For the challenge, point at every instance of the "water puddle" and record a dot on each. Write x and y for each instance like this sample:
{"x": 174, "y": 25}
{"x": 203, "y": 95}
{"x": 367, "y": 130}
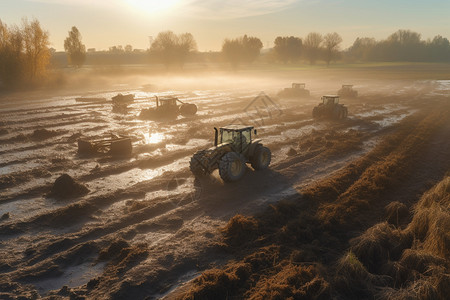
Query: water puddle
{"x": 72, "y": 277}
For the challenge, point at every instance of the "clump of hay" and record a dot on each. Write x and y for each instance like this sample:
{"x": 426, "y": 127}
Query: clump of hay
{"x": 240, "y": 229}
{"x": 378, "y": 244}
{"x": 396, "y": 213}
{"x": 66, "y": 187}
{"x": 291, "y": 152}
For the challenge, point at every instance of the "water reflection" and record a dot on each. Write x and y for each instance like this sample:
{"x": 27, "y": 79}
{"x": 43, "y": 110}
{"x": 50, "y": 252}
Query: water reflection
{"x": 153, "y": 138}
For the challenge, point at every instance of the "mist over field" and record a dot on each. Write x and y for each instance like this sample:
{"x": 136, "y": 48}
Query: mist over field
{"x": 295, "y": 169}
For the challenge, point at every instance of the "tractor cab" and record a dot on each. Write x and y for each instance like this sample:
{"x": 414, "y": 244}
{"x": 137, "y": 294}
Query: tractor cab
{"x": 330, "y": 99}
{"x": 347, "y": 91}
{"x": 166, "y": 102}
{"x": 239, "y": 136}
{"x": 298, "y": 86}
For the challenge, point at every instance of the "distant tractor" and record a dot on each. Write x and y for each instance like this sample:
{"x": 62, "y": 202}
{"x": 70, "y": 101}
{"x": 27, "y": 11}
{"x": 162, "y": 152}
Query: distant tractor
{"x": 347, "y": 91}
{"x": 168, "y": 107}
{"x": 330, "y": 108}
{"x": 297, "y": 90}
{"x": 119, "y": 98}
{"x": 233, "y": 148}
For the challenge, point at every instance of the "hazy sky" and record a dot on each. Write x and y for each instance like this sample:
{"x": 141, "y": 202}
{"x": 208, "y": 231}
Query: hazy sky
{"x": 105, "y": 23}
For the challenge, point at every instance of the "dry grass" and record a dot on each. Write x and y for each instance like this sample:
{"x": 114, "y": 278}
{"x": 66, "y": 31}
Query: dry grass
{"x": 430, "y": 225}
{"x": 379, "y": 244}
{"x": 331, "y": 141}
{"x": 417, "y": 257}
{"x": 380, "y": 171}
{"x": 240, "y": 230}
{"x": 397, "y": 213}
{"x": 291, "y": 282}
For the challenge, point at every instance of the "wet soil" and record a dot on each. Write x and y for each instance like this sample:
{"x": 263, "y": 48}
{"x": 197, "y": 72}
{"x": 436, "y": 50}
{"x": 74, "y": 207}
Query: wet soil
{"x": 141, "y": 226}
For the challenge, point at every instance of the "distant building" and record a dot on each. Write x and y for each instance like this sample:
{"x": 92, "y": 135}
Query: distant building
{"x": 91, "y": 50}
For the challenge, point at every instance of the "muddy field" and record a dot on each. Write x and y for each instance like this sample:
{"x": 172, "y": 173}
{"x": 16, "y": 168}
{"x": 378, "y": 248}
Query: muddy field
{"x": 145, "y": 227}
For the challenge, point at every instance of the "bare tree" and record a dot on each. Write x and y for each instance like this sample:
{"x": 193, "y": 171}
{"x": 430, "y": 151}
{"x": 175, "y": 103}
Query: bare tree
{"x": 331, "y": 43}
{"x": 232, "y": 50}
{"x": 439, "y": 49}
{"x": 361, "y": 48}
{"x": 74, "y": 48}
{"x": 186, "y": 45}
{"x": 288, "y": 48}
{"x": 252, "y": 48}
{"x": 170, "y": 48}
{"x": 243, "y": 49}
{"x": 312, "y": 44}
{"x": 11, "y": 59}
{"x": 405, "y": 37}
{"x": 128, "y": 48}
{"x": 36, "y": 49}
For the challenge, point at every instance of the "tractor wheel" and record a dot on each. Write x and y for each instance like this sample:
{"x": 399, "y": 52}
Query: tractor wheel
{"x": 336, "y": 113}
{"x": 188, "y": 109}
{"x": 261, "y": 158}
{"x": 345, "y": 113}
{"x": 340, "y": 113}
{"x": 315, "y": 112}
{"x": 231, "y": 167}
{"x": 196, "y": 164}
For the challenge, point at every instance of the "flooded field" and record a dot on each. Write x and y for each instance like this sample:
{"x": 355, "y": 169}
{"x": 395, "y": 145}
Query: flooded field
{"x": 145, "y": 217}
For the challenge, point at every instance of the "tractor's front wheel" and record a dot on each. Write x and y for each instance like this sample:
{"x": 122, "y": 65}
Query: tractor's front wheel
{"x": 315, "y": 112}
{"x": 231, "y": 167}
{"x": 197, "y": 165}
{"x": 261, "y": 158}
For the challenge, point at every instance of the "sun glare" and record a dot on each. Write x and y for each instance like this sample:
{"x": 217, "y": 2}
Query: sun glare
{"x": 152, "y": 6}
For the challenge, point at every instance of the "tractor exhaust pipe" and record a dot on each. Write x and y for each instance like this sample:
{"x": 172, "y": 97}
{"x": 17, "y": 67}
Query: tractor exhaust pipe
{"x": 216, "y": 136}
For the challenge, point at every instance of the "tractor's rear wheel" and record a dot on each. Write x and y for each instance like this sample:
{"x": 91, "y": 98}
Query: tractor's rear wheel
{"x": 336, "y": 113}
{"x": 261, "y": 158}
{"x": 231, "y": 167}
{"x": 340, "y": 114}
{"x": 196, "y": 164}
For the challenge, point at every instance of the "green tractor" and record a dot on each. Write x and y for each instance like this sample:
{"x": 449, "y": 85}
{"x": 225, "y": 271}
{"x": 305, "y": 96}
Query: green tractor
{"x": 330, "y": 108}
{"x": 234, "y": 146}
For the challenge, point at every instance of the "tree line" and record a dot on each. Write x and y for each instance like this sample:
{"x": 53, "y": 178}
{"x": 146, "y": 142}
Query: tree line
{"x": 171, "y": 49}
{"x": 25, "y": 53}
{"x": 402, "y": 45}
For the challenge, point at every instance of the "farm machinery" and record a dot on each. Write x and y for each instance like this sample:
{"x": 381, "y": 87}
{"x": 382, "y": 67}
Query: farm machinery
{"x": 297, "y": 90}
{"x": 115, "y": 145}
{"x": 330, "y": 108}
{"x": 121, "y": 102}
{"x": 234, "y": 147}
{"x": 167, "y": 107}
{"x": 347, "y": 91}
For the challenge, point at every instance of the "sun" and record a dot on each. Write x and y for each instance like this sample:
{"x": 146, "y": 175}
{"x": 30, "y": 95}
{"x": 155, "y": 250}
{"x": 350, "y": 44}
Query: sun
{"x": 152, "y": 6}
